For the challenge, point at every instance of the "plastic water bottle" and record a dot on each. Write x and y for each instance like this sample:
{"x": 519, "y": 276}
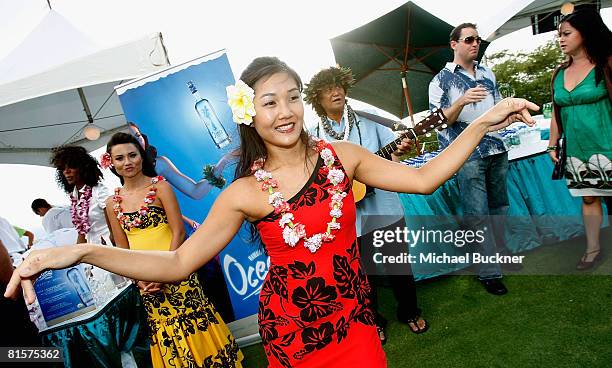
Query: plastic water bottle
{"x": 81, "y": 287}
{"x": 119, "y": 281}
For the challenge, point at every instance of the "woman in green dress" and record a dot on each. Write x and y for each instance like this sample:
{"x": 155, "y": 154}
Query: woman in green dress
{"x": 582, "y": 94}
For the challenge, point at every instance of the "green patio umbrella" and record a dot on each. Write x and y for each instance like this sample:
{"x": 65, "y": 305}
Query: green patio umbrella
{"x": 394, "y": 57}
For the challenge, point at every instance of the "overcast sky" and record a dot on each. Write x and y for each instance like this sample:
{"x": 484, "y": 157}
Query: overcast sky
{"x": 296, "y": 31}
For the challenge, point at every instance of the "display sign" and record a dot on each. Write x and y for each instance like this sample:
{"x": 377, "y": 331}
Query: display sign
{"x": 63, "y": 294}
{"x": 183, "y": 119}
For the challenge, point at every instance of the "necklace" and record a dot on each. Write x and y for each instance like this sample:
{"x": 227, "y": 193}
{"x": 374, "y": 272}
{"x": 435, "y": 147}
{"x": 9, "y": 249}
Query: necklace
{"x": 130, "y": 222}
{"x": 79, "y": 209}
{"x": 349, "y": 121}
{"x": 294, "y": 231}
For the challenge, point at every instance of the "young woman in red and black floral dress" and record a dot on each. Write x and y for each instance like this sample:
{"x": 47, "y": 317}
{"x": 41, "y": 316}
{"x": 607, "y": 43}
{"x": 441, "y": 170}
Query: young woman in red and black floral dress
{"x": 296, "y": 192}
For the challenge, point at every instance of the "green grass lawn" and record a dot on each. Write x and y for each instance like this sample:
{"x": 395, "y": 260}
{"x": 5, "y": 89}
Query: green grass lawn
{"x": 562, "y": 320}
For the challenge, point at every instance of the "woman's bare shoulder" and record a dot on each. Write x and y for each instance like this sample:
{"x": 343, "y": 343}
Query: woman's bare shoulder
{"x": 343, "y": 145}
{"x": 241, "y": 189}
{"x": 245, "y": 195}
{"x": 163, "y": 185}
{"x": 109, "y": 201}
{"x": 350, "y": 154}
{"x": 244, "y": 183}
{"x": 345, "y": 148}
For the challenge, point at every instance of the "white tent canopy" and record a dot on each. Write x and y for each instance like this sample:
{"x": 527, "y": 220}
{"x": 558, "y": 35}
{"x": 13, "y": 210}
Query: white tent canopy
{"x": 57, "y": 81}
{"x": 516, "y": 15}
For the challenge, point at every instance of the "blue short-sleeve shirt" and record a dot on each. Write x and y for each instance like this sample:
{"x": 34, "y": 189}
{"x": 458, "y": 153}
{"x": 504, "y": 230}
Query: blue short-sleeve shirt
{"x": 448, "y": 86}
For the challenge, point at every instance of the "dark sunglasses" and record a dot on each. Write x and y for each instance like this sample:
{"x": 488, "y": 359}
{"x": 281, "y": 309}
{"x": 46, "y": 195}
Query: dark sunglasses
{"x": 470, "y": 39}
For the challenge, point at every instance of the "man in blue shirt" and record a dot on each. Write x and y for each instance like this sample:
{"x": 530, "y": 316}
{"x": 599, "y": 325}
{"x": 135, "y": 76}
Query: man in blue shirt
{"x": 464, "y": 90}
{"x": 326, "y": 92}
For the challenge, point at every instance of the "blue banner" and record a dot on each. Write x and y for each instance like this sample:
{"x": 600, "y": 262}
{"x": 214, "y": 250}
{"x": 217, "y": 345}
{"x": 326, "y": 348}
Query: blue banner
{"x": 245, "y": 269}
{"x": 63, "y": 294}
{"x": 182, "y": 117}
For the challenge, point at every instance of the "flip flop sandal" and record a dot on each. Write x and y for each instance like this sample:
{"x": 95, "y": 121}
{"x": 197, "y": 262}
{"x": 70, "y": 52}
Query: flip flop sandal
{"x": 415, "y": 322}
{"x": 382, "y": 334}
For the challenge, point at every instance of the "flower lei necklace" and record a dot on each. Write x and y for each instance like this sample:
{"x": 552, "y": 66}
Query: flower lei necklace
{"x": 349, "y": 121}
{"x": 137, "y": 220}
{"x": 294, "y": 231}
{"x": 79, "y": 210}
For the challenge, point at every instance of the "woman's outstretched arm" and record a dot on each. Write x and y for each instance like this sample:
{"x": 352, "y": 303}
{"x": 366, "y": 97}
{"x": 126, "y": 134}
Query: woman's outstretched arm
{"x": 220, "y": 226}
{"x": 377, "y": 172}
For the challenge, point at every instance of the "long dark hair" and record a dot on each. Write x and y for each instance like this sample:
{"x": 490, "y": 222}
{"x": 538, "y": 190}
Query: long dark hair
{"x": 149, "y": 148}
{"x": 596, "y": 37}
{"x": 75, "y": 157}
{"x": 148, "y": 168}
{"x": 252, "y": 146}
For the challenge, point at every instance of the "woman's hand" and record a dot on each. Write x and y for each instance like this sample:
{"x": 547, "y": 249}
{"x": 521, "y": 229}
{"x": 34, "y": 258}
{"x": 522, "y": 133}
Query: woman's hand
{"x": 192, "y": 224}
{"x": 218, "y": 170}
{"x": 150, "y": 287}
{"x": 38, "y": 261}
{"x": 225, "y": 160}
{"x": 506, "y": 112}
{"x": 553, "y": 156}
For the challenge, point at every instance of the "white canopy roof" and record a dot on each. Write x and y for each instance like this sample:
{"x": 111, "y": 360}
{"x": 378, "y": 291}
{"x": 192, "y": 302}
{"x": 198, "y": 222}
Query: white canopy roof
{"x": 46, "y": 82}
{"x": 515, "y": 15}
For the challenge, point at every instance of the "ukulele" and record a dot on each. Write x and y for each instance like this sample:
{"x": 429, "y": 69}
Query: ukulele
{"x": 434, "y": 121}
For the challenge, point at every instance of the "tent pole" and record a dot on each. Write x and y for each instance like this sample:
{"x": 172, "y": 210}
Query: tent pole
{"x": 85, "y": 105}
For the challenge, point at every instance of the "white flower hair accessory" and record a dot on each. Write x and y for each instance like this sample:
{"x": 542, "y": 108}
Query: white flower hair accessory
{"x": 240, "y": 99}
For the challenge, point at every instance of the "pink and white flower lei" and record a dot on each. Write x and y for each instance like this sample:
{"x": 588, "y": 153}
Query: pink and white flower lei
{"x": 141, "y": 214}
{"x": 79, "y": 209}
{"x": 294, "y": 231}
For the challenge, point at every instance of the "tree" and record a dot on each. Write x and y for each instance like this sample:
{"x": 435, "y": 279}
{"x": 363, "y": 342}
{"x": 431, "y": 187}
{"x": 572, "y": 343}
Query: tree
{"x": 527, "y": 75}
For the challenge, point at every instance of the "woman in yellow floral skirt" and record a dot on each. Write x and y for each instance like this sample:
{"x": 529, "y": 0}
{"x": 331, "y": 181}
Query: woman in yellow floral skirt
{"x": 184, "y": 328}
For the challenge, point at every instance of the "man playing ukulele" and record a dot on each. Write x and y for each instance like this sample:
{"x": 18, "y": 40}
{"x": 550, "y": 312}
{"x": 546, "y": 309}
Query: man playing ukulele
{"x": 326, "y": 92}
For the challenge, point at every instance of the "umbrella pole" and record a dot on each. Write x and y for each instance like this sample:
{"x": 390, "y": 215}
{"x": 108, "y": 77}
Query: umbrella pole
{"x": 405, "y": 66}
{"x": 407, "y": 96}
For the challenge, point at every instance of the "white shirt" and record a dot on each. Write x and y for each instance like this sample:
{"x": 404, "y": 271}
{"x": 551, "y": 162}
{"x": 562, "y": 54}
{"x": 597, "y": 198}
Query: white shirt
{"x": 57, "y": 218}
{"x": 97, "y": 205}
{"x": 11, "y": 241}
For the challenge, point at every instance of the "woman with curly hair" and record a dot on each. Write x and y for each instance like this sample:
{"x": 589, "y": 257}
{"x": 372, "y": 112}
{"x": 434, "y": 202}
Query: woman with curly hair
{"x": 79, "y": 175}
{"x": 582, "y": 100}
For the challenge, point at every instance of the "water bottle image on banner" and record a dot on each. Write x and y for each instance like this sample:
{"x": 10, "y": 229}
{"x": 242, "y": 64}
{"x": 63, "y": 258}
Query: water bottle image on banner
{"x": 81, "y": 287}
{"x": 207, "y": 114}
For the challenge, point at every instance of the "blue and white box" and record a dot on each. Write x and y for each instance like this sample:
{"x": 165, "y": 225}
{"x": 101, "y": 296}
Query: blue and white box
{"x": 64, "y": 294}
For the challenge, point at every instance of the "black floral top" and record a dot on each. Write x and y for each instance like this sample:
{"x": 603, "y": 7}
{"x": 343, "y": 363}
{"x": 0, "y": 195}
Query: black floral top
{"x": 310, "y": 302}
